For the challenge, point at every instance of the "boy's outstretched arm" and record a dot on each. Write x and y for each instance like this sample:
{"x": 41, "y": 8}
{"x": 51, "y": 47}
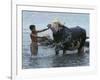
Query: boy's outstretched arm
{"x": 42, "y": 30}
{"x": 36, "y": 36}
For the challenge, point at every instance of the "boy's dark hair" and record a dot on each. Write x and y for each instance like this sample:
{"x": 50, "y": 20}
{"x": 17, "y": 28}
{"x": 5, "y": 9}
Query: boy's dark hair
{"x": 32, "y": 27}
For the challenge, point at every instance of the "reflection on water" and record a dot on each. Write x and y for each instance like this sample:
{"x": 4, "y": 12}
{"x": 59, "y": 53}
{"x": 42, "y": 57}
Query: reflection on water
{"x": 46, "y": 58}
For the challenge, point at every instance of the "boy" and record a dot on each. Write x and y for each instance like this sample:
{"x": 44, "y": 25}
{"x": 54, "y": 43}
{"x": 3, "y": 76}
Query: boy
{"x": 34, "y": 40}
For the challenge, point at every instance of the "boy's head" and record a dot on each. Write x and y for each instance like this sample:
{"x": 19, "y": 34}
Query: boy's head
{"x": 32, "y": 27}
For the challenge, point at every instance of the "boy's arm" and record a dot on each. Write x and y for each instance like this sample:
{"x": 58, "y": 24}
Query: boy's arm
{"x": 42, "y": 30}
{"x": 36, "y": 36}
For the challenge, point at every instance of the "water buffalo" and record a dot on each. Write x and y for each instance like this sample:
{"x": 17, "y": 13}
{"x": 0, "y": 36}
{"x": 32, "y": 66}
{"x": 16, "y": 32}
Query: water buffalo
{"x": 68, "y": 38}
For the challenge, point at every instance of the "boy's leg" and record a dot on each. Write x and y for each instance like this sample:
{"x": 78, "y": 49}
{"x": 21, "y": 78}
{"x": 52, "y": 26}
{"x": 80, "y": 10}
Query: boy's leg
{"x": 34, "y": 49}
{"x": 31, "y": 48}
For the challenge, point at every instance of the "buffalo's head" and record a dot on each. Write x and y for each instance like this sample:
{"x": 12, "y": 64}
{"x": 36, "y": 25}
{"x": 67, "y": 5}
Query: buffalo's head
{"x": 55, "y": 26}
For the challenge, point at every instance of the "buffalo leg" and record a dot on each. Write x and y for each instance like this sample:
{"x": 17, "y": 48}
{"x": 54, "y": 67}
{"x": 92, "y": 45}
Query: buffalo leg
{"x": 57, "y": 50}
{"x": 81, "y": 50}
{"x": 64, "y": 51}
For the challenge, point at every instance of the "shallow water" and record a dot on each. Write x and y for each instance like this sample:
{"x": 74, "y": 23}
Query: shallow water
{"x": 46, "y": 58}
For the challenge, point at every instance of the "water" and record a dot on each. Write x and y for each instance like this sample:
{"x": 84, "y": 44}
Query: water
{"x": 46, "y": 58}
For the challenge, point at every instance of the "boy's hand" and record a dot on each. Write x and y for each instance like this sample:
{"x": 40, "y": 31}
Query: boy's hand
{"x": 49, "y": 25}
